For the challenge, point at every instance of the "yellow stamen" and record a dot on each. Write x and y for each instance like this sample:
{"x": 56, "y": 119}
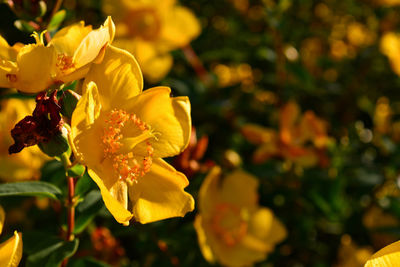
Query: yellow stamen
{"x": 64, "y": 62}
{"x": 119, "y": 148}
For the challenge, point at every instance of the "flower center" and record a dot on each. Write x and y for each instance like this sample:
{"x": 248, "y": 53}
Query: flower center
{"x": 64, "y": 62}
{"x": 119, "y": 149}
{"x": 144, "y": 23}
{"x": 228, "y": 224}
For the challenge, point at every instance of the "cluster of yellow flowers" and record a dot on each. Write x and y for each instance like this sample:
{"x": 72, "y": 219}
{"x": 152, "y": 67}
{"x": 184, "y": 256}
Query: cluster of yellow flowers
{"x": 121, "y": 133}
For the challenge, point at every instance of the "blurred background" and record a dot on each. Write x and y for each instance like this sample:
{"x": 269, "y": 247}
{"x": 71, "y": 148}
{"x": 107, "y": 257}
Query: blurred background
{"x": 303, "y": 95}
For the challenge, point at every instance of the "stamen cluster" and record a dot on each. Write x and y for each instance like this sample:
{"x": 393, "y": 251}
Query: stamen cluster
{"x": 126, "y": 165}
{"x": 64, "y": 62}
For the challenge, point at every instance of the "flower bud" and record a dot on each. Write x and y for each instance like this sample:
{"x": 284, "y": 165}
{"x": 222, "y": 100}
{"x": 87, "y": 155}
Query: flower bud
{"x": 57, "y": 145}
{"x": 68, "y": 103}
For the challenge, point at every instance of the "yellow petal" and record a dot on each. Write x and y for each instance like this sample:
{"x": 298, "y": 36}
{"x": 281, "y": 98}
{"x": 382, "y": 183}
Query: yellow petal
{"x": 159, "y": 194}
{"x": 265, "y": 226}
{"x": 115, "y": 202}
{"x": 118, "y": 78}
{"x": 209, "y": 192}
{"x": 203, "y": 241}
{"x": 8, "y": 71}
{"x": 92, "y": 44}
{"x": 84, "y": 128}
{"x": 389, "y": 256}
{"x": 181, "y": 26}
{"x": 242, "y": 254}
{"x": 155, "y": 61}
{"x": 11, "y": 251}
{"x": 30, "y": 77}
{"x": 240, "y": 188}
{"x": 168, "y": 118}
{"x": 67, "y": 40}
{"x": 156, "y": 68}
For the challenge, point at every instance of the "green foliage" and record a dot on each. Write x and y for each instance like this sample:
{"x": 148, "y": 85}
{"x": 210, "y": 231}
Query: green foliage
{"x": 40, "y": 189}
{"x": 56, "y": 20}
{"x": 47, "y": 251}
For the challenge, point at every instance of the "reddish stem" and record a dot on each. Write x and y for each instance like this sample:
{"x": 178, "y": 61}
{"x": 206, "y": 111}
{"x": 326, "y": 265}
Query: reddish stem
{"x": 71, "y": 209}
{"x": 71, "y": 214}
{"x": 196, "y": 63}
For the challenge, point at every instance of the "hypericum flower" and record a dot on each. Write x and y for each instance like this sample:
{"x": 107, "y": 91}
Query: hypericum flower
{"x": 232, "y": 228}
{"x": 121, "y": 133}
{"x": 26, "y": 164}
{"x": 150, "y": 29}
{"x": 34, "y": 67}
{"x": 388, "y": 256}
{"x": 292, "y": 141}
{"x": 11, "y": 249}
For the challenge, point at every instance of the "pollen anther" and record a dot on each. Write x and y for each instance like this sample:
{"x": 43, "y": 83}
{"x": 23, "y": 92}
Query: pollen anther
{"x": 64, "y": 62}
{"x": 127, "y": 167}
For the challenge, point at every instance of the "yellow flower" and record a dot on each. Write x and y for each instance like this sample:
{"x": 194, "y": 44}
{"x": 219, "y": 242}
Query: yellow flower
{"x": 232, "y": 228}
{"x": 291, "y": 142}
{"x": 150, "y": 29}
{"x": 390, "y": 47}
{"x": 11, "y": 249}
{"x": 34, "y": 67}
{"x": 26, "y": 164}
{"x": 121, "y": 133}
{"x": 389, "y": 256}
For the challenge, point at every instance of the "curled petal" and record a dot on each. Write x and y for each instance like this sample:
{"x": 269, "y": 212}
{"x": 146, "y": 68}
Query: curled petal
{"x": 11, "y": 251}
{"x": 159, "y": 194}
{"x": 169, "y": 119}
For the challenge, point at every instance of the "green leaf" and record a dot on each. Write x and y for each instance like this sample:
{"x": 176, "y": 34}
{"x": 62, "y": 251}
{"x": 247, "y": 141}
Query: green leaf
{"x": 41, "y": 189}
{"x": 53, "y": 254}
{"x": 56, "y": 21}
{"x": 84, "y": 184}
{"x": 87, "y": 210}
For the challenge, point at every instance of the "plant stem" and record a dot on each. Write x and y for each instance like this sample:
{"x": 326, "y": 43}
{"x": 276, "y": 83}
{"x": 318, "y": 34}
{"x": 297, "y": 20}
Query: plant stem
{"x": 70, "y": 203}
{"x": 71, "y": 209}
{"x": 196, "y": 63}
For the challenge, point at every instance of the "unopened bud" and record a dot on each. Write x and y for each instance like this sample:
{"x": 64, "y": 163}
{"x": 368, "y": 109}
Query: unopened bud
{"x": 68, "y": 103}
{"x": 57, "y": 145}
